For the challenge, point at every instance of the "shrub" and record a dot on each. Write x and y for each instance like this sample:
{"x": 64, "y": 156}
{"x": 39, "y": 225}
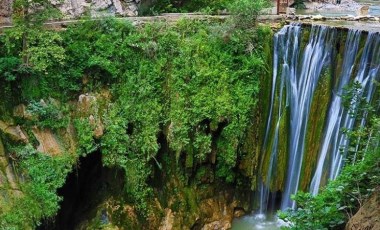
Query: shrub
{"x": 48, "y": 115}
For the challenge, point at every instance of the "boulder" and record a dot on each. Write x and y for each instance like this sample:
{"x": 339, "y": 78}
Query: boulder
{"x": 13, "y": 132}
{"x": 21, "y": 111}
{"x": 363, "y": 11}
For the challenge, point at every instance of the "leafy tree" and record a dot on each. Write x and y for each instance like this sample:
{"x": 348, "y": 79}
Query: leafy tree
{"x": 245, "y": 12}
{"x": 28, "y": 17}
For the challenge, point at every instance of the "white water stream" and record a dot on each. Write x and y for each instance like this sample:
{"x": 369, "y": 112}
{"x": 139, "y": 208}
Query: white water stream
{"x": 297, "y": 69}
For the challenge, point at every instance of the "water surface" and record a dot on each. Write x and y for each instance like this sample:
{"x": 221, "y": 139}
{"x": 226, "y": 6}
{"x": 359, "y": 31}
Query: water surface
{"x": 257, "y": 222}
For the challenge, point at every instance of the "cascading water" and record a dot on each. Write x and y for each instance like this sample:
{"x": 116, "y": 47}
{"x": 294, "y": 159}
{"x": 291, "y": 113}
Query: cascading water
{"x": 337, "y": 111}
{"x": 299, "y": 77}
{"x": 335, "y": 142}
{"x": 297, "y": 70}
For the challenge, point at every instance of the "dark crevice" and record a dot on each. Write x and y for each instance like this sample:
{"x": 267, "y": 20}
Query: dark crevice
{"x": 85, "y": 188}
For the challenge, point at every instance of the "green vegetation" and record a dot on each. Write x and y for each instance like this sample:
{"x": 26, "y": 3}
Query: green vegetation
{"x": 341, "y": 198}
{"x": 194, "y": 83}
{"x": 180, "y": 100}
{"x": 246, "y": 8}
{"x": 28, "y": 17}
{"x": 48, "y": 115}
{"x": 183, "y": 6}
{"x": 42, "y": 175}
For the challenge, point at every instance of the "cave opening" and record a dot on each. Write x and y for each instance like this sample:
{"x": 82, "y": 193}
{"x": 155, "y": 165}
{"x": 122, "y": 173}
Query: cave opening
{"x": 86, "y": 187}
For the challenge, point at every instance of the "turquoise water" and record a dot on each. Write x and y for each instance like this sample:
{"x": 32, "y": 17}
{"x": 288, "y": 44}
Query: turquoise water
{"x": 374, "y": 10}
{"x": 257, "y": 222}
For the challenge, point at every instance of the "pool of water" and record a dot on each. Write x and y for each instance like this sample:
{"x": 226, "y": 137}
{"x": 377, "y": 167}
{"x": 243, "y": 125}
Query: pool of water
{"x": 257, "y": 222}
{"x": 374, "y": 10}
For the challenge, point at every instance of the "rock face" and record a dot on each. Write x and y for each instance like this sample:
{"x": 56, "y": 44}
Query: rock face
{"x": 5, "y": 8}
{"x": 368, "y": 216}
{"x": 89, "y": 107}
{"x": 7, "y": 177}
{"x": 13, "y": 132}
{"x": 48, "y": 142}
{"x": 77, "y": 8}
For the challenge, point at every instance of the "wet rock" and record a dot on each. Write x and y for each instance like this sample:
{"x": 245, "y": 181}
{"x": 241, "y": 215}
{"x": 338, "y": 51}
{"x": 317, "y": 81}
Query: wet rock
{"x": 217, "y": 225}
{"x": 304, "y": 17}
{"x": 217, "y": 214}
{"x": 318, "y": 17}
{"x": 360, "y": 18}
{"x": 239, "y": 212}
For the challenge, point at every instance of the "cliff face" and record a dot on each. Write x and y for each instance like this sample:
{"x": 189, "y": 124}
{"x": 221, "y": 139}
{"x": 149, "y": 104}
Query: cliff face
{"x": 150, "y": 154}
{"x": 77, "y": 8}
{"x": 176, "y": 204}
{"x": 5, "y": 10}
{"x": 368, "y": 216}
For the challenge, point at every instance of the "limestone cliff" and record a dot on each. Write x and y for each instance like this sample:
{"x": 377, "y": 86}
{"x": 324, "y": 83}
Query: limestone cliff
{"x": 176, "y": 204}
{"x": 77, "y": 8}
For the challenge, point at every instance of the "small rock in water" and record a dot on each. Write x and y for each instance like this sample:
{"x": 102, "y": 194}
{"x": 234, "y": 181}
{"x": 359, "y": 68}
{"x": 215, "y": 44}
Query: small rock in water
{"x": 318, "y": 17}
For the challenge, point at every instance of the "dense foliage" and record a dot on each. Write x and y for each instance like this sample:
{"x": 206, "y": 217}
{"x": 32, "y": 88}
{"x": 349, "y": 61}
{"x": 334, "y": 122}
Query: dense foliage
{"x": 42, "y": 175}
{"x": 182, "y": 6}
{"x": 195, "y": 83}
{"x": 208, "y": 6}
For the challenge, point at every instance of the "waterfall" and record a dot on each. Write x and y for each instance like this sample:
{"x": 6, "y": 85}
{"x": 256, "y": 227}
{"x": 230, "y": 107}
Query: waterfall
{"x": 297, "y": 70}
{"x": 337, "y": 113}
{"x": 287, "y": 37}
{"x": 335, "y": 142}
